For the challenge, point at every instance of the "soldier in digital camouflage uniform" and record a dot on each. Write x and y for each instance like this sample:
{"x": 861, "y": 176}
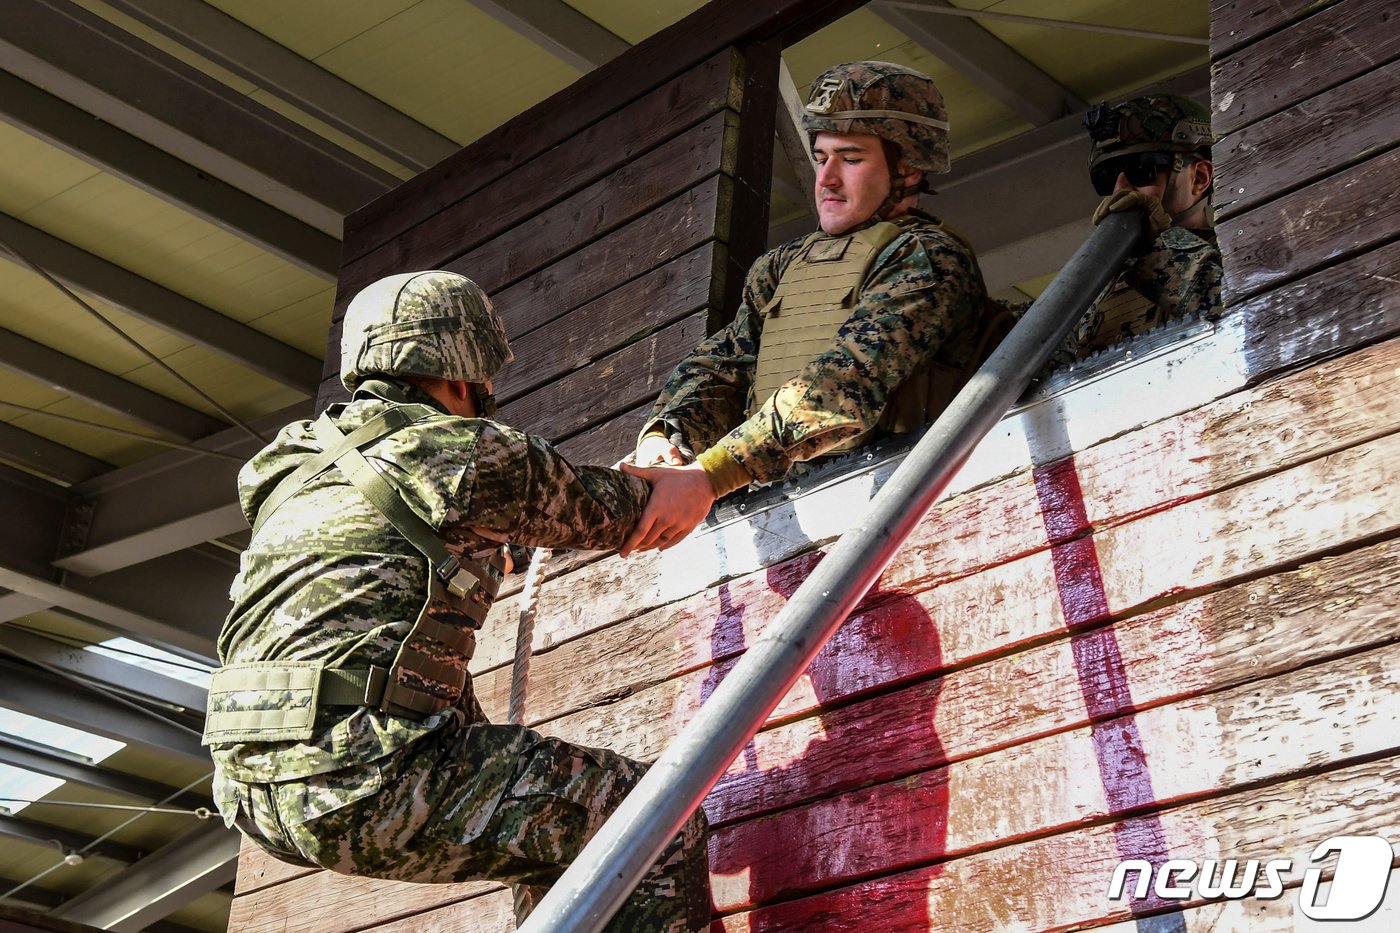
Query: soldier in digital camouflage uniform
{"x": 344, "y": 730}
{"x": 1153, "y": 152}
{"x": 897, "y": 298}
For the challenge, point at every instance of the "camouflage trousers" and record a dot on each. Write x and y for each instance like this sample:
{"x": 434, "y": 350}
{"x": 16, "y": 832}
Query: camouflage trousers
{"x": 427, "y": 823}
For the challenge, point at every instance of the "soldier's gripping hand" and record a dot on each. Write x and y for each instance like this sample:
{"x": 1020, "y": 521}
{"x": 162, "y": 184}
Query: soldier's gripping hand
{"x": 659, "y": 450}
{"x": 1157, "y": 217}
{"x": 680, "y": 499}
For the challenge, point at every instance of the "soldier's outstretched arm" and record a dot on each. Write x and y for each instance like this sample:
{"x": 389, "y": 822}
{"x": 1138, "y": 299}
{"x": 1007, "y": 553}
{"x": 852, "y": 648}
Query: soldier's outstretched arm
{"x": 518, "y": 486}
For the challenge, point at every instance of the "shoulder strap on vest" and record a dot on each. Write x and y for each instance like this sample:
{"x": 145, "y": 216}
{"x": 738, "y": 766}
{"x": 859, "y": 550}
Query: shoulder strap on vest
{"x": 374, "y": 487}
{"x": 381, "y": 425}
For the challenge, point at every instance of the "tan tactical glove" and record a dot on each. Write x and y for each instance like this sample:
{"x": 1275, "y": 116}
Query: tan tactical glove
{"x": 1157, "y": 217}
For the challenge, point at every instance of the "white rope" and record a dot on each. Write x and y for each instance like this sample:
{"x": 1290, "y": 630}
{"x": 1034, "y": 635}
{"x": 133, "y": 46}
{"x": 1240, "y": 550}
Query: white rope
{"x": 520, "y": 682}
{"x": 524, "y": 636}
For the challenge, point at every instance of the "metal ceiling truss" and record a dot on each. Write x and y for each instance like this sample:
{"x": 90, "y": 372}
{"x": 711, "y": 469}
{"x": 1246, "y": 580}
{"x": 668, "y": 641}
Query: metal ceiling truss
{"x": 27, "y": 689}
{"x": 123, "y": 155}
{"x": 201, "y": 861}
{"x": 78, "y": 770}
{"x": 988, "y": 62}
{"x": 120, "y": 79}
{"x": 158, "y": 305}
{"x": 559, "y": 29}
{"x": 273, "y": 67}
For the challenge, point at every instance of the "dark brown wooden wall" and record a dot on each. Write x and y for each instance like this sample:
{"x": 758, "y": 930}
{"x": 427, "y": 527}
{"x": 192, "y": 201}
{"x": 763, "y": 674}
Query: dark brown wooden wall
{"x": 611, "y": 224}
{"x": 1307, "y": 112}
{"x": 605, "y": 255}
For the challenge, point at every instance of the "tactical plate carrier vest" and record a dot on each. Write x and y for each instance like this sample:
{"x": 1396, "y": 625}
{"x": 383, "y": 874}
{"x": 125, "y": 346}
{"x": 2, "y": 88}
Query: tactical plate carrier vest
{"x": 814, "y": 298}
{"x": 269, "y": 701}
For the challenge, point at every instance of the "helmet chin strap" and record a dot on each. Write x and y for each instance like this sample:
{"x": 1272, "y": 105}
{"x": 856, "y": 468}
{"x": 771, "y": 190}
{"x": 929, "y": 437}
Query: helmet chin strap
{"x": 1178, "y": 165}
{"x": 898, "y": 192}
{"x": 485, "y": 400}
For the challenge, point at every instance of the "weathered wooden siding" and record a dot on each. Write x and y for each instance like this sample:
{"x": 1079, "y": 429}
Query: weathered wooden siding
{"x": 605, "y": 254}
{"x": 1156, "y": 616}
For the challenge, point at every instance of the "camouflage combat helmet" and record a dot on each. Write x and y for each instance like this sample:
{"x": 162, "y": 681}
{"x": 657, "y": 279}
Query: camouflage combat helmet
{"x": 885, "y": 100}
{"x": 1155, "y": 123}
{"x": 422, "y": 324}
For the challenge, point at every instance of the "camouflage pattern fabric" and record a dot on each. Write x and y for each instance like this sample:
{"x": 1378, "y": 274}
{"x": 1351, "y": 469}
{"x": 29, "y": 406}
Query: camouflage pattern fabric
{"x": 422, "y": 323}
{"x": 1154, "y": 123}
{"x": 885, "y": 100}
{"x": 425, "y": 822}
{"x": 923, "y": 300}
{"x": 1178, "y": 276}
{"x": 327, "y": 578}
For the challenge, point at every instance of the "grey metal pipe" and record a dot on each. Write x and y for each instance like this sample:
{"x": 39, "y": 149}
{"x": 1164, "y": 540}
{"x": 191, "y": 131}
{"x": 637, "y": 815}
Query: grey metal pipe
{"x": 592, "y": 889}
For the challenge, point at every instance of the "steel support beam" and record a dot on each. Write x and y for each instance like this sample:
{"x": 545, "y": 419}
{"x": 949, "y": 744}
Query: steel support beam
{"x": 162, "y": 307}
{"x": 116, "y": 77}
{"x": 34, "y": 360}
{"x": 99, "y": 669}
{"x": 41, "y": 694}
{"x": 163, "y": 504}
{"x": 78, "y": 770}
{"x": 49, "y": 459}
{"x": 176, "y": 602}
{"x": 74, "y": 131}
{"x": 984, "y": 59}
{"x": 559, "y": 29}
{"x": 52, "y": 837}
{"x": 193, "y": 865}
{"x": 138, "y": 600}
{"x": 304, "y": 84}
{"x": 793, "y": 141}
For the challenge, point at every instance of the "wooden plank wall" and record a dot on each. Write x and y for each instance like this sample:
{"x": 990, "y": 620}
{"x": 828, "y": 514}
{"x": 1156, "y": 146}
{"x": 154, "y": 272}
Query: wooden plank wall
{"x": 1155, "y": 617}
{"x": 599, "y": 253}
{"x": 606, "y": 255}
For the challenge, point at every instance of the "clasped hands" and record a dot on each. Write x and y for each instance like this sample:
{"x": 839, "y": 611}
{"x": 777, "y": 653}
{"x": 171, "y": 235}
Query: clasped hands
{"x": 681, "y": 496}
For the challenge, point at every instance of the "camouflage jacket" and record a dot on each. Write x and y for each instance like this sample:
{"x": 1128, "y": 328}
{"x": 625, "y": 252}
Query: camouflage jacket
{"x": 328, "y": 578}
{"x": 1178, "y": 276}
{"x": 922, "y": 300}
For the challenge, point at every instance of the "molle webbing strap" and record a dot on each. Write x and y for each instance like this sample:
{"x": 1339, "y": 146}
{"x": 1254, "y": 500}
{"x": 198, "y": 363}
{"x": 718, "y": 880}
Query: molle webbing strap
{"x": 390, "y": 504}
{"x": 429, "y": 672}
{"x": 813, "y": 299}
{"x": 383, "y": 424}
{"x": 276, "y": 701}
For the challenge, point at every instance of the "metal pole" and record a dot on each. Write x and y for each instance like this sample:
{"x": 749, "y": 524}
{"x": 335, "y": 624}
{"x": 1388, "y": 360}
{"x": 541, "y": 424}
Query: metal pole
{"x": 592, "y": 889}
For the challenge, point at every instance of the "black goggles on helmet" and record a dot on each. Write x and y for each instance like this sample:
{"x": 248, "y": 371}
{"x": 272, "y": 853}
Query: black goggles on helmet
{"x": 1140, "y": 168}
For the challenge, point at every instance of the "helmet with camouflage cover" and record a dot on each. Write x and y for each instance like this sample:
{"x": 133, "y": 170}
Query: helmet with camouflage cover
{"x": 1154, "y": 123}
{"x": 437, "y": 324}
{"x": 881, "y": 99}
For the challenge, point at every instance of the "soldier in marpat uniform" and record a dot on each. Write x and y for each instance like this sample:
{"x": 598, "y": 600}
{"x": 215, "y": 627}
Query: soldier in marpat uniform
{"x": 343, "y": 726}
{"x": 870, "y": 324}
{"x": 1153, "y": 152}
